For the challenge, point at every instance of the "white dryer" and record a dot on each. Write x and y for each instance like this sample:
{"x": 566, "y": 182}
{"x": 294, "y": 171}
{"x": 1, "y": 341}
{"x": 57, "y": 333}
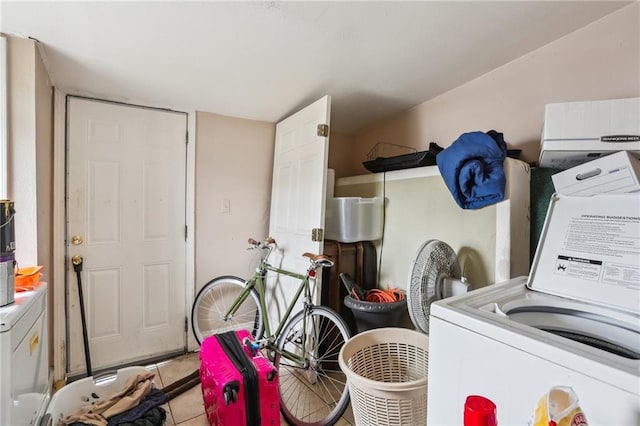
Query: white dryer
{"x": 574, "y": 321}
{"x": 24, "y": 355}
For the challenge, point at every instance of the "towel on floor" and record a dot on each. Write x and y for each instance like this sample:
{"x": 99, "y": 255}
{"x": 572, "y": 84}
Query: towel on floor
{"x": 97, "y": 413}
{"x": 472, "y": 169}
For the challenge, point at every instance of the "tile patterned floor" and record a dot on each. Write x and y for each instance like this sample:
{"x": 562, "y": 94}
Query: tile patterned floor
{"x": 187, "y": 409}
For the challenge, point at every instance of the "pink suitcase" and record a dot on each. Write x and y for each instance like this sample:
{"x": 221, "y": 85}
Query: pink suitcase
{"x": 229, "y": 396}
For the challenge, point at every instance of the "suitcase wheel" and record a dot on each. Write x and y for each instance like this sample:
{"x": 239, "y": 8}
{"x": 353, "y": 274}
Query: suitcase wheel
{"x": 230, "y": 392}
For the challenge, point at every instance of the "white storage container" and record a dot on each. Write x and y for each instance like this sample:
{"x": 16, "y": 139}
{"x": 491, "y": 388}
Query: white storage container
{"x": 351, "y": 219}
{"x": 578, "y": 132}
{"x": 614, "y": 174}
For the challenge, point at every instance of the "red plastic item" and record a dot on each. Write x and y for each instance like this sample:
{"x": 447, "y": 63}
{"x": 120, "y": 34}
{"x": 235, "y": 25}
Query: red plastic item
{"x": 479, "y": 411}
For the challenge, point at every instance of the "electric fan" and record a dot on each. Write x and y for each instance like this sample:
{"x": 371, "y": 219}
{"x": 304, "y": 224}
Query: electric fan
{"x": 434, "y": 274}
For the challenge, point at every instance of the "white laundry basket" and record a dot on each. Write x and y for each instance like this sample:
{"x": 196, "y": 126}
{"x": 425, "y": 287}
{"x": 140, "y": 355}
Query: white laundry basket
{"x": 89, "y": 390}
{"x": 386, "y": 371}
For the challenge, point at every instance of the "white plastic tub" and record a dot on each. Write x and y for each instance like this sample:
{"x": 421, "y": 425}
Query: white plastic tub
{"x": 351, "y": 219}
{"x": 73, "y": 396}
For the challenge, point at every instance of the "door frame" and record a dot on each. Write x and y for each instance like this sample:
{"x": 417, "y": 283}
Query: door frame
{"x": 60, "y": 275}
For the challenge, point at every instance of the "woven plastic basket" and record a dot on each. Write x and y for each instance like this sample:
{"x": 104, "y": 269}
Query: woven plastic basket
{"x": 386, "y": 371}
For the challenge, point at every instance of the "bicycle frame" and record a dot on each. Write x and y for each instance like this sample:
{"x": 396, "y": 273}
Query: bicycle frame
{"x": 257, "y": 282}
{"x": 301, "y": 339}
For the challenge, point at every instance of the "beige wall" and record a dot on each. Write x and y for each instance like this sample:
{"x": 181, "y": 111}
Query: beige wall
{"x": 599, "y": 61}
{"x": 30, "y": 142}
{"x": 340, "y": 153}
{"x": 234, "y": 159}
{"x": 21, "y": 137}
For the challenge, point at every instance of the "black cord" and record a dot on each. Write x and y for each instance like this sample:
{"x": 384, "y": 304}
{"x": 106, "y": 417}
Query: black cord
{"x": 384, "y": 222}
{"x": 87, "y": 357}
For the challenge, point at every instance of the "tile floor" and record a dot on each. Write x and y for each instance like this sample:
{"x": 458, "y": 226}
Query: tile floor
{"x": 187, "y": 409}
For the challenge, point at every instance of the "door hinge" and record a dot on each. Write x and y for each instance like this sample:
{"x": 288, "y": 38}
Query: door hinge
{"x": 323, "y": 130}
{"x": 186, "y": 324}
{"x": 186, "y": 232}
{"x": 317, "y": 234}
{"x": 186, "y": 139}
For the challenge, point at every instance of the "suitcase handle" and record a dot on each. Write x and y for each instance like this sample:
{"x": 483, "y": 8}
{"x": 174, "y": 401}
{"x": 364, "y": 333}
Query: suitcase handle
{"x": 252, "y": 346}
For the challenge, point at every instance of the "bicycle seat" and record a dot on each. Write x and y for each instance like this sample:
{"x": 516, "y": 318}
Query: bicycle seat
{"x": 319, "y": 259}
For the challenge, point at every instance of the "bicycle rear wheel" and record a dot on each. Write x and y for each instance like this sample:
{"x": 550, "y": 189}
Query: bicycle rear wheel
{"x": 213, "y": 302}
{"x": 313, "y": 391}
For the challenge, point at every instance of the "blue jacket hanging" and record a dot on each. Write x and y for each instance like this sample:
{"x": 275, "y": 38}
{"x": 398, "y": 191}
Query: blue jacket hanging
{"x": 472, "y": 169}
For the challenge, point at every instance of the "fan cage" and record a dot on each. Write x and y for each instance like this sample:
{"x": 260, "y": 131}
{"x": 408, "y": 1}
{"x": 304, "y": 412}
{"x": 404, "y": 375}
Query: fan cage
{"x": 435, "y": 261}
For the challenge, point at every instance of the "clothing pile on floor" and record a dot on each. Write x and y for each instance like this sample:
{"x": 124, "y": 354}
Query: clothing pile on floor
{"x": 137, "y": 404}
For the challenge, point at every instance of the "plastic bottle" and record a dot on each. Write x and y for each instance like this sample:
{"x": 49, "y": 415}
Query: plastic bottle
{"x": 479, "y": 411}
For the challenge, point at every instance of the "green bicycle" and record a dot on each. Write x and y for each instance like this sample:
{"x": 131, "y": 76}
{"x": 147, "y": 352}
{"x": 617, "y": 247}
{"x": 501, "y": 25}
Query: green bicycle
{"x": 304, "y": 347}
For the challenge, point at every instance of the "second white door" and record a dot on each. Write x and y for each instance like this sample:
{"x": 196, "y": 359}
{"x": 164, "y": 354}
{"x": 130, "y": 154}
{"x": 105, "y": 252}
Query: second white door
{"x": 297, "y": 197}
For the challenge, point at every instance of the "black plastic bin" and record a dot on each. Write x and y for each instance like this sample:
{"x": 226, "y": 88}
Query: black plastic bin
{"x": 370, "y": 315}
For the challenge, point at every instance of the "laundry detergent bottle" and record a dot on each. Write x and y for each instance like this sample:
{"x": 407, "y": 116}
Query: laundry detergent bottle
{"x": 479, "y": 411}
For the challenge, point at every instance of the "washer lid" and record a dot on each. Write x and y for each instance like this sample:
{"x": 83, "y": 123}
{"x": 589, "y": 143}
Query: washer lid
{"x": 589, "y": 250}
{"x": 11, "y": 314}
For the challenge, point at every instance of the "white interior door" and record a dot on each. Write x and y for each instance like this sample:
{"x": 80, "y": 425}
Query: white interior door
{"x": 297, "y": 197}
{"x": 126, "y": 169}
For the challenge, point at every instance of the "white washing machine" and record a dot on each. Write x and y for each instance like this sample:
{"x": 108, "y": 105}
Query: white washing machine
{"x": 24, "y": 358}
{"x": 574, "y": 321}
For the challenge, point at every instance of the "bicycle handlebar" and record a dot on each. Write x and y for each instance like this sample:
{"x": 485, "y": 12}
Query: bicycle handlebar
{"x": 268, "y": 242}
{"x": 317, "y": 260}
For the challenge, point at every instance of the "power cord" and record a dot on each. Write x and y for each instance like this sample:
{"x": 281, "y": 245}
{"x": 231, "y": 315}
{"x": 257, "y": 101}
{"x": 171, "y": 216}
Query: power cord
{"x": 384, "y": 222}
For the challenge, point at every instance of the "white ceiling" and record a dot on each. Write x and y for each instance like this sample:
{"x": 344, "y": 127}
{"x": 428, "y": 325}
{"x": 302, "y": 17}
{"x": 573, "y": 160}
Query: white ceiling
{"x": 264, "y": 60}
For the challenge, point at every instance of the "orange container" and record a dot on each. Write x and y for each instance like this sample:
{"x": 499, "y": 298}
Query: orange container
{"x": 27, "y": 278}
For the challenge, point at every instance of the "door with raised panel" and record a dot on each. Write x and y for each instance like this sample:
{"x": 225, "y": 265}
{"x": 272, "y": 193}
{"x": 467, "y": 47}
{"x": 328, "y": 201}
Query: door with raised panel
{"x": 126, "y": 171}
{"x": 297, "y": 198}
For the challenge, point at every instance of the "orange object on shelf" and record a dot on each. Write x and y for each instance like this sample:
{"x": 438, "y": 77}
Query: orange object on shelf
{"x": 27, "y": 278}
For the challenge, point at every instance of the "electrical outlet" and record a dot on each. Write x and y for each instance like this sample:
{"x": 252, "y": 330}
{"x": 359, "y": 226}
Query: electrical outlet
{"x": 226, "y": 205}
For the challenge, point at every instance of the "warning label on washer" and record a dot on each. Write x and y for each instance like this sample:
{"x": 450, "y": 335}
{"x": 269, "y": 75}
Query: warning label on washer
{"x": 578, "y": 267}
{"x": 596, "y": 270}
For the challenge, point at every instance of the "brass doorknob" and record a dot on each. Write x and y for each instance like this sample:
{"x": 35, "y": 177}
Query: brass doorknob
{"x": 76, "y": 260}
{"x": 76, "y": 240}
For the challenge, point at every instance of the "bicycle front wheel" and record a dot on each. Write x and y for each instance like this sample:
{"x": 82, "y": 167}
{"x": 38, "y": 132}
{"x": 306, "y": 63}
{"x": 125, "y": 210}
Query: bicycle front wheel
{"x": 313, "y": 388}
{"x": 214, "y": 301}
